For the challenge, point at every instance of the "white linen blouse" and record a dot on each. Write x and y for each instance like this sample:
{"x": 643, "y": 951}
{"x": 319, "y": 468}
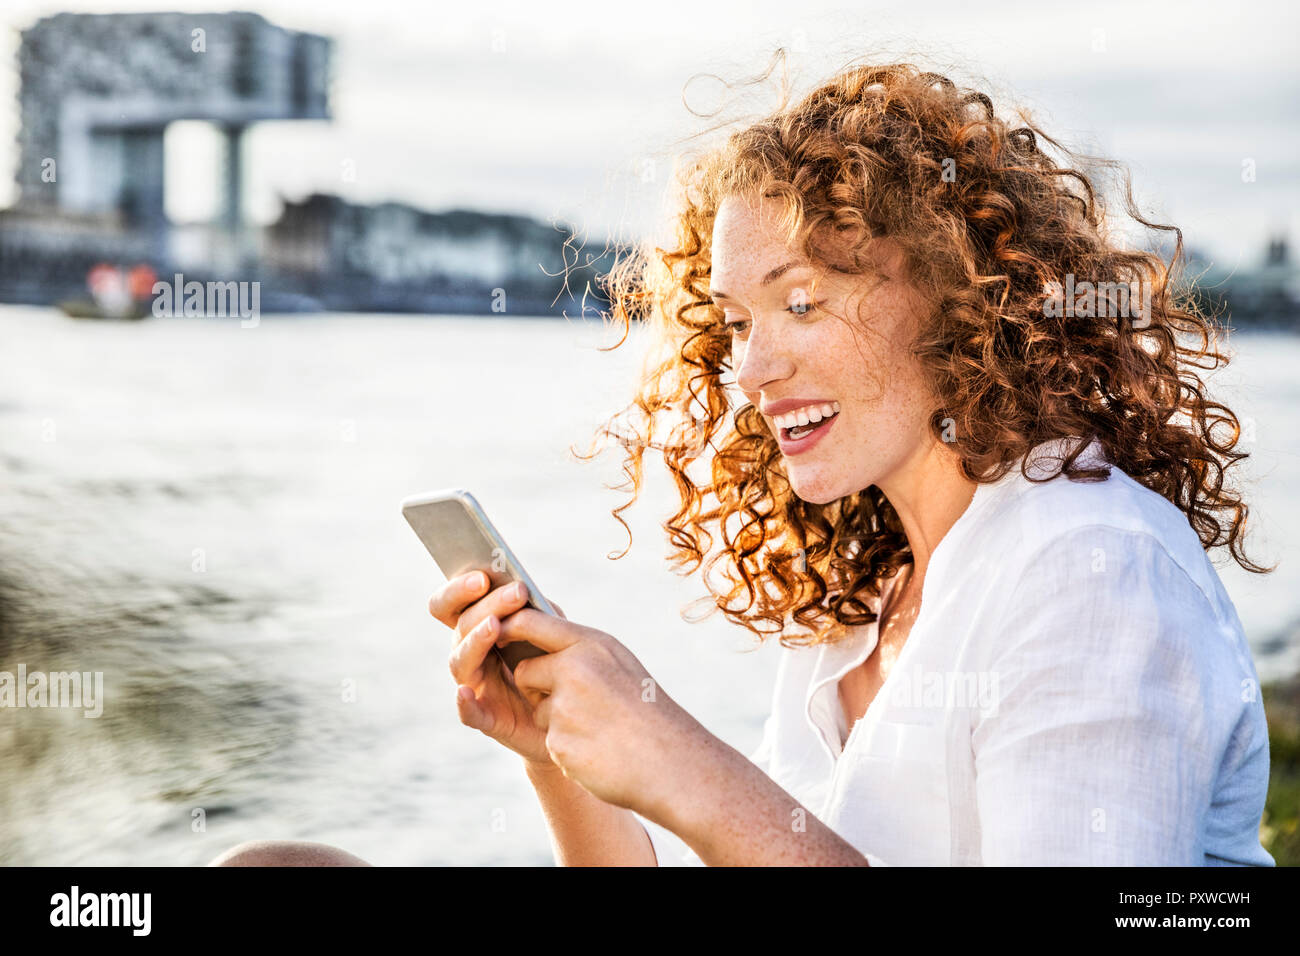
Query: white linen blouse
{"x": 1076, "y": 690}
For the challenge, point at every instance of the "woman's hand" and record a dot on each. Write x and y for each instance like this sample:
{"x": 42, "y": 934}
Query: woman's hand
{"x": 607, "y": 725}
{"x": 486, "y": 696}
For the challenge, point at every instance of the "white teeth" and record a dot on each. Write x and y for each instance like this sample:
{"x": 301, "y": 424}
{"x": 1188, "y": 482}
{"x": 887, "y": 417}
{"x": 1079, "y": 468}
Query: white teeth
{"x": 804, "y": 416}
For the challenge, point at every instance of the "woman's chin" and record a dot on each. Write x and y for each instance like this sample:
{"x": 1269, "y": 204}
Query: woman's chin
{"x": 815, "y": 488}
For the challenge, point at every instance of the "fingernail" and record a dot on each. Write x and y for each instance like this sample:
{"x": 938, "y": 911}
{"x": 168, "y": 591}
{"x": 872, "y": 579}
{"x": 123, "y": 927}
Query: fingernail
{"x": 519, "y": 590}
{"x": 476, "y": 581}
{"x": 488, "y": 625}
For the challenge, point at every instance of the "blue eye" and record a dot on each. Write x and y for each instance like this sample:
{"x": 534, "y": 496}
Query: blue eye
{"x": 806, "y": 307}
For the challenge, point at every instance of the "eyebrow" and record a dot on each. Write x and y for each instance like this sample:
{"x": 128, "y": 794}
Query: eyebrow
{"x": 767, "y": 279}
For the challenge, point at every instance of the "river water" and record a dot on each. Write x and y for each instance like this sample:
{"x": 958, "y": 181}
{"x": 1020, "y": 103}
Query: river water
{"x": 208, "y": 515}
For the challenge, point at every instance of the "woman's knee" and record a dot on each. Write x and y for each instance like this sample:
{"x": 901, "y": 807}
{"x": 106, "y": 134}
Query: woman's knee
{"x": 286, "y": 853}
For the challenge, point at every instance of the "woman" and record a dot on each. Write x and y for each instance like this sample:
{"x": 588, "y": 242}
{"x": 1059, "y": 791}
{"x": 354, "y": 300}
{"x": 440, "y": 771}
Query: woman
{"x": 971, "y": 484}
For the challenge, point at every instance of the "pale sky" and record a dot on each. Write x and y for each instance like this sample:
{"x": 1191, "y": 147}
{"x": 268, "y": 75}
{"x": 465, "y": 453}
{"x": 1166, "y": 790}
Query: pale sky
{"x": 585, "y": 98}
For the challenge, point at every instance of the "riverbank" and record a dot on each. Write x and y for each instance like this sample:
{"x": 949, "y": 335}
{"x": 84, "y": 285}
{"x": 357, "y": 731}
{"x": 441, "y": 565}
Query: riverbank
{"x": 1280, "y": 830}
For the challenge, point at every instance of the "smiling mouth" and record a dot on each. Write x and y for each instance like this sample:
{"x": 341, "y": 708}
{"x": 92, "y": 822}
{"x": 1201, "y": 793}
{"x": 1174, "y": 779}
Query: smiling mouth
{"x": 803, "y": 431}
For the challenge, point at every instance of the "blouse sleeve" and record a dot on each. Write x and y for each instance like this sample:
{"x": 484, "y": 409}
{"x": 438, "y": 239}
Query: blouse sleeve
{"x": 1113, "y": 681}
{"x": 672, "y": 850}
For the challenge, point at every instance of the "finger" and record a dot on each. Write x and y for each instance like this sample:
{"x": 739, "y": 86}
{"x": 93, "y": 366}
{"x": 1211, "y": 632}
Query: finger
{"x": 472, "y": 714}
{"x": 559, "y": 610}
{"x": 535, "y": 677}
{"x": 467, "y": 657}
{"x": 455, "y": 595}
{"x": 542, "y": 630}
{"x": 501, "y": 602}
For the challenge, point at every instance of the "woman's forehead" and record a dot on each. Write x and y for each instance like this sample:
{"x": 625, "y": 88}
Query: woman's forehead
{"x": 750, "y": 236}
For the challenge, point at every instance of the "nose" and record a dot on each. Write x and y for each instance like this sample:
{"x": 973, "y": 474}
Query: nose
{"x": 761, "y": 359}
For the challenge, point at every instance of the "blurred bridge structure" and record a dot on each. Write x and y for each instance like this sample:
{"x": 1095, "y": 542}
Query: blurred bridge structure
{"x": 97, "y": 93}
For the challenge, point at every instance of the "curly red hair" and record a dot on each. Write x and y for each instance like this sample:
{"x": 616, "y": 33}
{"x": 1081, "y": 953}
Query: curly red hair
{"x": 987, "y": 222}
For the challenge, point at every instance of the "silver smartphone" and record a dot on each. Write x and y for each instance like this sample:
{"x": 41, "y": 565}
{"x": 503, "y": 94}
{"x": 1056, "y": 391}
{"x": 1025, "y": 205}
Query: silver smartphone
{"x": 456, "y": 531}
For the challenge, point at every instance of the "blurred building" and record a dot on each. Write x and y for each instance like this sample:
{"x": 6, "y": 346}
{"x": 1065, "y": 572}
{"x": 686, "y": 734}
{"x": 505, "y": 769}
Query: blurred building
{"x": 1264, "y": 296}
{"x": 392, "y": 256}
{"x": 97, "y": 92}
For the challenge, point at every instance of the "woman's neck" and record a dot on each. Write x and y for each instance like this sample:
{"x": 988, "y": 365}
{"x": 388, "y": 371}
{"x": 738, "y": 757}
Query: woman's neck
{"x": 929, "y": 493}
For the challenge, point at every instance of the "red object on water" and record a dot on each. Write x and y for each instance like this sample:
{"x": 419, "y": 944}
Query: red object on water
{"x": 140, "y": 281}
{"x": 101, "y": 277}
